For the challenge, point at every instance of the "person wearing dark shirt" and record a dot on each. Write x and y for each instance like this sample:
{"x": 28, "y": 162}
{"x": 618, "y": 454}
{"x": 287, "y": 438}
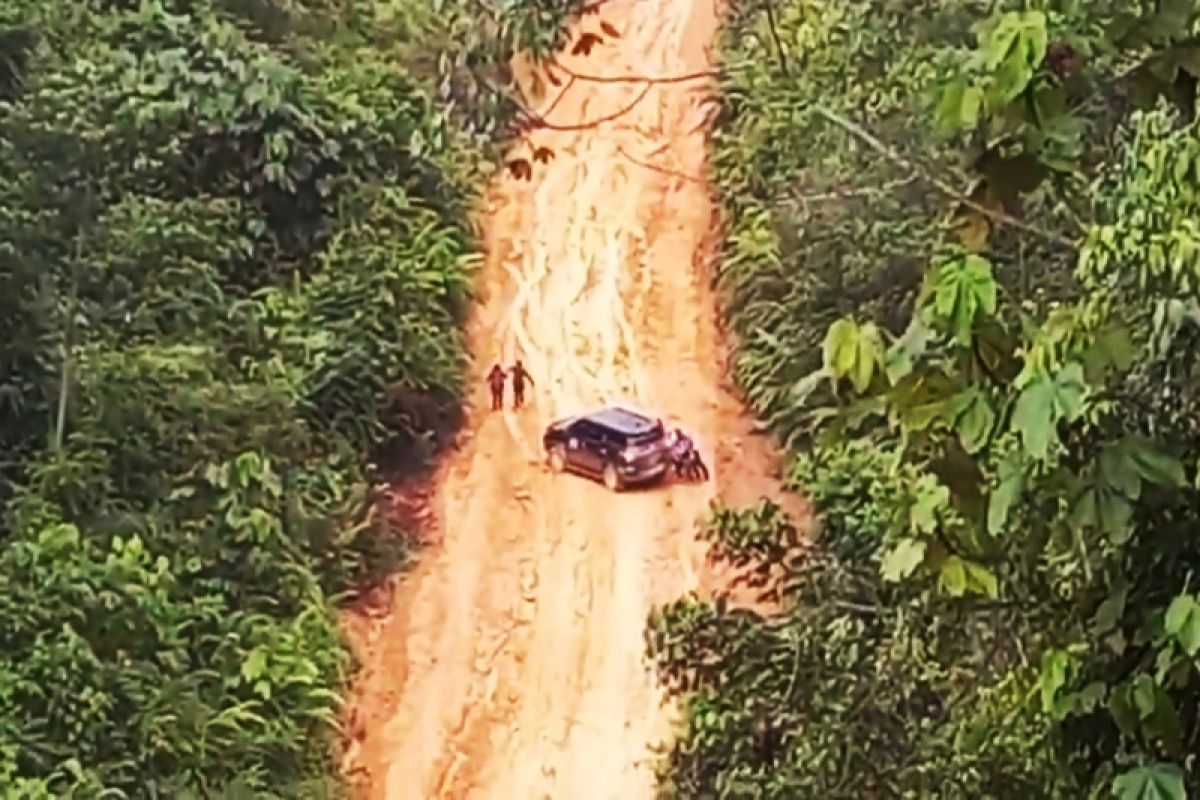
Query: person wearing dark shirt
{"x": 519, "y": 376}
{"x": 495, "y": 381}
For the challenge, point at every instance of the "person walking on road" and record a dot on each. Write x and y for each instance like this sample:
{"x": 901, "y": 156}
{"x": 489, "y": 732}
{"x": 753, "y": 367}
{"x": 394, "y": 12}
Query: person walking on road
{"x": 495, "y": 381}
{"x": 519, "y": 376}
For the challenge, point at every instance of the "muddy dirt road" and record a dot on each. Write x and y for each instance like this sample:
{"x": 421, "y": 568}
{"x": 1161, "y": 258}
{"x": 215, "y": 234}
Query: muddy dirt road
{"x": 511, "y": 663}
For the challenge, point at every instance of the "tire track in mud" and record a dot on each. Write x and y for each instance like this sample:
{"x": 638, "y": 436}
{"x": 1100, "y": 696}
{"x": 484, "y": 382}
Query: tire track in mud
{"x": 512, "y": 664}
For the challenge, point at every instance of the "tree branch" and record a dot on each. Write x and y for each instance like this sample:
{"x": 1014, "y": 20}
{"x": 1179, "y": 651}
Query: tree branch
{"x": 878, "y": 146}
{"x": 558, "y": 99}
{"x": 573, "y": 77}
{"x": 656, "y": 168}
{"x": 783, "y": 61}
{"x": 541, "y": 123}
{"x": 682, "y": 78}
{"x": 846, "y": 194}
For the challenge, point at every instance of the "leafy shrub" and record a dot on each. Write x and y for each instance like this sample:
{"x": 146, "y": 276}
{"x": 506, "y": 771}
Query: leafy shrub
{"x": 997, "y": 417}
{"x": 233, "y": 265}
{"x": 845, "y": 483}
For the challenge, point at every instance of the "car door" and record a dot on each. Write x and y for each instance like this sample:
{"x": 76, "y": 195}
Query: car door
{"x": 582, "y": 445}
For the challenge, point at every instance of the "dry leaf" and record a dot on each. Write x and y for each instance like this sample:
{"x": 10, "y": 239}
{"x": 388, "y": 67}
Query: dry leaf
{"x": 537, "y": 88}
{"x": 520, "y": 169}
{"x": 585, "y": 44}
{"x": 609, "y": 29}
{"x": 974, "y": 231}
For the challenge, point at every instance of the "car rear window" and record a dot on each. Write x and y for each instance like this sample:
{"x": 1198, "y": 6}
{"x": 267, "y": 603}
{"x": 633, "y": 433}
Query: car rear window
{"x": 645, "y": 438}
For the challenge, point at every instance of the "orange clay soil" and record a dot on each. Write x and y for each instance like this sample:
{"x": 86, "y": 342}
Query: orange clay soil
{"x": 510, "y": 663}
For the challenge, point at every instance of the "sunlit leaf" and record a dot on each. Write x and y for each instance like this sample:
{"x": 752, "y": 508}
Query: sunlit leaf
{"x": 961, "y": 289}
{"x": 1045, "y": 401}
{"x": 1152, "y": 782}
{"x": 1007, "y": 492}
{"x": 903, "y": 559}
{"x": 1182, "y": 621}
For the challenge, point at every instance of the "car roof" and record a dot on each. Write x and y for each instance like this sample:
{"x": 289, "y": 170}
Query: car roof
{"x": 622, "y": 420}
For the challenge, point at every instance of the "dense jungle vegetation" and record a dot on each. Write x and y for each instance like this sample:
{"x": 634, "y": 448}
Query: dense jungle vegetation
{"x": 234, "y": 253}
{"x": 963, "y": 270}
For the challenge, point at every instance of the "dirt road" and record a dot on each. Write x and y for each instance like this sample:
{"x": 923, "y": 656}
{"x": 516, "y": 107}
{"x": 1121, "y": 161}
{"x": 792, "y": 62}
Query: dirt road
{"x": 511, "y": 664}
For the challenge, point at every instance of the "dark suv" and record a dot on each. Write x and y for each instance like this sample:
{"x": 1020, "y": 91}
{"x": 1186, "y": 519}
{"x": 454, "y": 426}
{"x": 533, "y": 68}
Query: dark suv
{"x": 618, "y": 446}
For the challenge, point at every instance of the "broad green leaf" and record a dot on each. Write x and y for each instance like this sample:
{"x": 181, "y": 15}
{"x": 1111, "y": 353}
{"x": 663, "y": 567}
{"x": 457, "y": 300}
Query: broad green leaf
{"x": 1120, "y": 706}
{"x": 1159, "y": 781}
{"x": 1013, "y": 50}
{"x": 1006, "y": 493}
{"x": 1110, "y": 612}
{"x": 1182, "y": 621}
{"x": 982, "y": 580}
{"x": 869, "y": 355}
{"x": 1156, "y": 710}
{"x": 840, "y": 347}
{"x": 1091, "y": 696}
{"x": 953, "y": 576}
{"x": 1113, "y": 349}
{"x": 1034, "y": 416}
{"x": 1144, "y": 696}
{"x": 920, "y": 399}
{"x": 949, "y": 109}
{"x": 972, "y": 103}
{"x": 1085, "y": 511}
{"x": 960, "y": 106}
{"x": 959, "y": 576}
{"x": 961, "y": 289}
{"x": 973, "y": 734}
{"x": 255, "y": 664}
{"x": 997, "y": 45}
{"x": 930, "y": 496}
{"x": 973, "y": 418}
{"x": 1115, "y": 516}
{"x": 1010, "y": 79}
{"x": 903, "y": 354}
{"x": 1043, "y": 402}
{"x": 1119, "y": 472}
{"x": 853, "y": 351}
{"x": 1154, "y": 464}
{"x": 1069, "y": 392}
{"x": 1100, "y": 508}
{"x": 1056, "y": 665}
{"x": 903, "y": 559}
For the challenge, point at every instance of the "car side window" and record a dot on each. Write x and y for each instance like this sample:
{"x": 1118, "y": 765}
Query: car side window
{"x": 584, "y": 431}
{"x": 604, "y": 437}
{"x": 595, "y": 437}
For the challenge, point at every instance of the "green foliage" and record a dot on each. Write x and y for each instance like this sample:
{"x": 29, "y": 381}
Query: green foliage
{"x": 233, "y": 266}
{"x": 972, "y": 312}
{"x": 465, "y": 49}
{"x": 1156, "y": 782}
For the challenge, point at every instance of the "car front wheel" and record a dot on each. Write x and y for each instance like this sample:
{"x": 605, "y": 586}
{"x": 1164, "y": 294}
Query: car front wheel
{"x": 612, "y": 478}
{"x": 557, "y": 459}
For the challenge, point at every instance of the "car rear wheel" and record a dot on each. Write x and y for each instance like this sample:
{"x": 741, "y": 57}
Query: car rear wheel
{"x": 612, "y": 478}
{"x": 557, "y": 459}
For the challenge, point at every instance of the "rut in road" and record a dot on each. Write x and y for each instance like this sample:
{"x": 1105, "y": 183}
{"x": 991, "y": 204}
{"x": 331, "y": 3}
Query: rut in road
{"x": 512, "y": 663}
